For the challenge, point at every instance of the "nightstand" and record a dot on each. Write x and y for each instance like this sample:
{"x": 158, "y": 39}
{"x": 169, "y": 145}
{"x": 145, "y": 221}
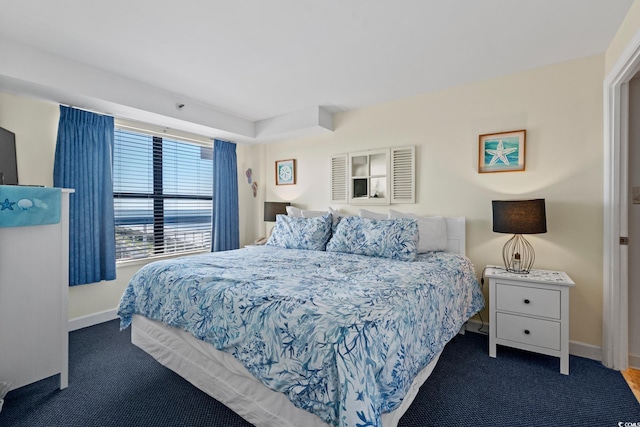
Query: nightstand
{"x": 530, "y": 312}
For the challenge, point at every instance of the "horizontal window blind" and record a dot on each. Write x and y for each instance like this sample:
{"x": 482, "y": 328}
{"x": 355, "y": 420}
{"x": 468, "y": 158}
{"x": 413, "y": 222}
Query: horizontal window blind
{"x": 162, "y": 195}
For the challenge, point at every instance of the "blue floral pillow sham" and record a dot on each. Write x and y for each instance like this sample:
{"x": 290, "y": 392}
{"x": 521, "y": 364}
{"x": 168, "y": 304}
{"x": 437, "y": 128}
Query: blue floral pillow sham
{"x": 387, "y": 238}
{"x": 301, "y": 233}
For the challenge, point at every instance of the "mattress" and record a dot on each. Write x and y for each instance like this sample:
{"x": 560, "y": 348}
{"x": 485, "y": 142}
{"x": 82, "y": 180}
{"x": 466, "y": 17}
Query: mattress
{"x": 225, "y": 379}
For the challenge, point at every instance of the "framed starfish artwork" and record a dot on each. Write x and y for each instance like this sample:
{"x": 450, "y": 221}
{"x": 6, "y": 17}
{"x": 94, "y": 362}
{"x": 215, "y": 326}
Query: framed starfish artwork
{"x": 286, "y": 172}
{"x": 502, "y": 152}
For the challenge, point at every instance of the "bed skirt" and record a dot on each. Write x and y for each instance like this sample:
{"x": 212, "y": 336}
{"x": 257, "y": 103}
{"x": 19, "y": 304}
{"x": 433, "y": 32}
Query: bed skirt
{"x": 221, "y": 376}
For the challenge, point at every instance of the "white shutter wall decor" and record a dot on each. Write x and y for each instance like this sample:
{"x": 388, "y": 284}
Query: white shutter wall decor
{"x": 339, "y": 178}
{"x": 403, "y": 182}
{"x": 401, "y": 177}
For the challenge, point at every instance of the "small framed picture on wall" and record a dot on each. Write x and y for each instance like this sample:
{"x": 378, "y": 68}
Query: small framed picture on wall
{"x": 502, "y": 152}
{"x": 286, "y": 172}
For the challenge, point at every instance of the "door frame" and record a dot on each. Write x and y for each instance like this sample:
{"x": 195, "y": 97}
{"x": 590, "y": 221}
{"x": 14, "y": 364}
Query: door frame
{"x": 615, "y": 304}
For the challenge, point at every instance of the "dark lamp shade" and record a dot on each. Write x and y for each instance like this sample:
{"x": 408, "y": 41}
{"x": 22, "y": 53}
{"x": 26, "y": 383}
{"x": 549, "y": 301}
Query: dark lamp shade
{"x": 519, "y": 216}
{"x": 271, "y": 209}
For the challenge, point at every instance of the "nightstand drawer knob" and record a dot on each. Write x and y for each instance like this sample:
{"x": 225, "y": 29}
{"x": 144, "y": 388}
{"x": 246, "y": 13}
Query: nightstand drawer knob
{"x": 527, "y": 332}
{"x": 527, "y": 301}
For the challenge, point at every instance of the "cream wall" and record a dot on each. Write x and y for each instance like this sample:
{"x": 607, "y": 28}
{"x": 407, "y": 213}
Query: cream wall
{"x": 560, "y": 106}
{"x": 624, "y": 35}
{"x": 35, "y": 123}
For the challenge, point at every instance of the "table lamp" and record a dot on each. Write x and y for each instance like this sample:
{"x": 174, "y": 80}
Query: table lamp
{"x": 271, "y": 209}
{"x": 519, "y": 217}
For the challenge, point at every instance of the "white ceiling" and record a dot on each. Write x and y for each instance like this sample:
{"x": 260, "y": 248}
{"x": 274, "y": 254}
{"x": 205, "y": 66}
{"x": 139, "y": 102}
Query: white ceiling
{"x": 260, "y": 59}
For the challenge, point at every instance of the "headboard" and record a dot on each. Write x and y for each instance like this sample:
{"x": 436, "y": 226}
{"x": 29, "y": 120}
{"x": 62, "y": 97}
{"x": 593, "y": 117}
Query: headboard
{"x": 456, "y": 231}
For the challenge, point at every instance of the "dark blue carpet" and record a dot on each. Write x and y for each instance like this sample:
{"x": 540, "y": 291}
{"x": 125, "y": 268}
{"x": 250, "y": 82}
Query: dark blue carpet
{"x": 113, "y": 383}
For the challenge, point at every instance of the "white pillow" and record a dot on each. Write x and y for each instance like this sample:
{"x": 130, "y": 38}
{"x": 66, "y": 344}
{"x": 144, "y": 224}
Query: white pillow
{"x": 294, "y": 212}
{"x": 335, "y": 212}
{"x": 372, "y": 215}
{"x": 431, "y": 229}
{"x": 313, "y": 214}
{"x": 337, "y": 216}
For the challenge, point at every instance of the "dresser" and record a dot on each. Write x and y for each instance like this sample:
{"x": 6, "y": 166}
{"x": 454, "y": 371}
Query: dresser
{"x": 530, "y": 312}
{"x": 34, "y": 290}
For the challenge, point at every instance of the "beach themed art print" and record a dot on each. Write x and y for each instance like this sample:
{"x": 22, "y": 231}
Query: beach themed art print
{"x": 502, "y": 152}
{"x": 286, "y": 172}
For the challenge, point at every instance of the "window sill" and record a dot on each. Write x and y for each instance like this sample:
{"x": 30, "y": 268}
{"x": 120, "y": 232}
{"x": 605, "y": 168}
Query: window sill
{"x": 144, "y": 261}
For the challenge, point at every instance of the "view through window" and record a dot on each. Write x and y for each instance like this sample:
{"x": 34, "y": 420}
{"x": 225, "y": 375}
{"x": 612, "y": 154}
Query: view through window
{"x": 162, "y": 195}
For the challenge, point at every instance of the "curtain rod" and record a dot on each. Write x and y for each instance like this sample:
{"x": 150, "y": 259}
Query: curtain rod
{"x": 164, "y": 130}
{"x": 86, "y": 109}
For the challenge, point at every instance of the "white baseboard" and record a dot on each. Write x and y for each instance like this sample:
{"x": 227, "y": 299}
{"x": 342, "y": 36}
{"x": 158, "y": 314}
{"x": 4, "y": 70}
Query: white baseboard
{"x": 474, "y": 326}
{"x": 587, "y": 351}
{"x": 634, "y": 361}
{"x": 92, "y": 319}
{"x": 576, "y": 348}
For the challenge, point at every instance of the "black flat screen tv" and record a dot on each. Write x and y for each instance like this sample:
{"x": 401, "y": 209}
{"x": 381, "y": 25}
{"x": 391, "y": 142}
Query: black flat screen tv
{"x": 8, "y": 159}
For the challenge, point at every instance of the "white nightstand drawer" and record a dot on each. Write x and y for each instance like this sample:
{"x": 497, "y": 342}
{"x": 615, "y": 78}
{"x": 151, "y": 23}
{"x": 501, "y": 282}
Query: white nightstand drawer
{"x": 525, "y": 330}
{"x": 530, "y": 312}
{"x": 528, "y": 300}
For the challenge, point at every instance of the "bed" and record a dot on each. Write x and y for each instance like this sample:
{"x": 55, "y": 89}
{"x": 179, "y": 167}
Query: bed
{"x": 334, "y": 335}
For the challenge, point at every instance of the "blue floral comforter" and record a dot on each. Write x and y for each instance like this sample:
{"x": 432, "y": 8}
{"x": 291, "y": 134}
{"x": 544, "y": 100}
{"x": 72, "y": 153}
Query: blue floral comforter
{"x": 341, "y": 335}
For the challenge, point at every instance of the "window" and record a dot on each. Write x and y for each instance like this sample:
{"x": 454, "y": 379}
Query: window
{"x": 162, "y": 195}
